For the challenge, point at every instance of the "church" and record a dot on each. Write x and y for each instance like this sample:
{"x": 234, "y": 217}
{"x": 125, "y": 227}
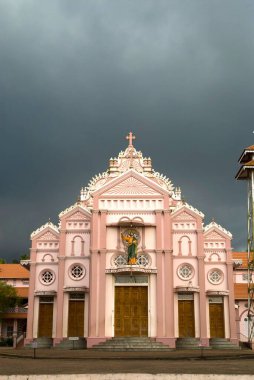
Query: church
{"x": 131, "y": 258}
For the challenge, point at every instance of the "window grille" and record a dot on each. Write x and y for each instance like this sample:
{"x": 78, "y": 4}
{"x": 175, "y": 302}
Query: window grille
{"x": 185, "y": 271}
{"x": 185, "y": 296}
{"x": 47, "y": 277}
{"x": 215, "y": 276}
{"x": 131, "y": 279}
{"x": 216, "y": 299}
{"x": 77, "y": 271}
{"x": 46, "y": 299}
{"x": 143, "y": 260}
{"x": 77, "y": 296}
{"x": 120, "y": 260}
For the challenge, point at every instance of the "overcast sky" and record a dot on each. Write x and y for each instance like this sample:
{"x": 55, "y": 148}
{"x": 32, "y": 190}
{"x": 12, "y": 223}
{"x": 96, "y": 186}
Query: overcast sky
{"x": 77, "y": 76}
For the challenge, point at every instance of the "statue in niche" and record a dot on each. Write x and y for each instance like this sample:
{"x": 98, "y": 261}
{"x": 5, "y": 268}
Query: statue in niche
{"x": 130, "y": 239}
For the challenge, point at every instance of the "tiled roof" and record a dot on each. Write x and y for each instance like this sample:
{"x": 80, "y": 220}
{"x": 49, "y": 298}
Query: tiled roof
{"x": 22, "y": 292}
{"x": 250, "y": 147}
{"x": 13, "y": 271}
{"x": 241, "y": 256}
{"x": 241, "y": 291}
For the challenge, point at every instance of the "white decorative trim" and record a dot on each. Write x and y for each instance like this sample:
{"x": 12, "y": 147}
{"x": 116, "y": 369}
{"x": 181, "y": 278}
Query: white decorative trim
{"x": 127, "y": 160}
{"x": 44, "y": 226}
{"x": 72, "y": 207}
{"x": 219, "y": 227}
{"x": 189, "y": 207}
{"x": 130, "y": 268}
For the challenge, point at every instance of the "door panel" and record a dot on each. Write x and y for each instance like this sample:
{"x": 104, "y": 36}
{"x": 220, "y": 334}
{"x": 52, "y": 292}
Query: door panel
{"x": 45, "y": 320}
{"x": 186, "y": 318}
{"x": 216, "y": 314}
{"x": 131, "y": 311}
{"x": 76, "y": 318}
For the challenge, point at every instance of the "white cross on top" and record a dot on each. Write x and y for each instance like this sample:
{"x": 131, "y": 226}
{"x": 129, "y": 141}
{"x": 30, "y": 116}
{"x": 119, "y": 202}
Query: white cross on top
{"x": 130, "y": 137}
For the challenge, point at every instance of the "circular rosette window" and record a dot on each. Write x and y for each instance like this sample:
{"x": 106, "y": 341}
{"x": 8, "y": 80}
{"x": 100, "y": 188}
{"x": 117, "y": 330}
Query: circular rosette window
{"x": 185, "y": 272}
{"x": 77, "y": 272}
{"x": 119, "y": 260}
{"x": 143, "y": 260}
{"x": 215, "y": 276}
{"x": 47, "y": 277}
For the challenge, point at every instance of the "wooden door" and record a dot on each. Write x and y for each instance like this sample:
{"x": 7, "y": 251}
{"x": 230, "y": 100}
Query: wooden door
{"x": 76, "y": 318}
{"x": 186, "y": 318}
{"x": 45, "y": 320}
{"x": 216, "y": 314}
{"x": 131, "y": 311}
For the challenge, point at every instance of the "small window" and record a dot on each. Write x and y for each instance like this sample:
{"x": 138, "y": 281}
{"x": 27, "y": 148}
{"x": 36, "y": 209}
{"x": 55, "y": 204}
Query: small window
{"x": 215, "y": 276}
{"x": 185, "y": 271}
{"x": 47, "y": 277}
{"x": 77, "y": 271}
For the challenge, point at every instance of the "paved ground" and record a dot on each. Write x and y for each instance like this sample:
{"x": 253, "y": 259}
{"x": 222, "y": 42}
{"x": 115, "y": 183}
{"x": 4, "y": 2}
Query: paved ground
{"x": 56, "y": 361}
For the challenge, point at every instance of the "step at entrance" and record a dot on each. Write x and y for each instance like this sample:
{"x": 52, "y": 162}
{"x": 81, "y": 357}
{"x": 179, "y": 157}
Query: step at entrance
{"x": 131, "y": 344}
{"x": 188, "y": 344}
{"x": 223, "y": 344}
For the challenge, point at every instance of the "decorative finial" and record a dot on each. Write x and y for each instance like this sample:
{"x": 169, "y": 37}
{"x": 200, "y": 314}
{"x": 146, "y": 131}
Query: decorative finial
{"x": 130, "y": 137}
{"x": 78, "y": 200}
{"x": 49, "y": 221}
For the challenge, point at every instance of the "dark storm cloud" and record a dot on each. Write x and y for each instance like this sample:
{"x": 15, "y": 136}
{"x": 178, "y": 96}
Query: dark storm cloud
{"x": 76, "y": 76}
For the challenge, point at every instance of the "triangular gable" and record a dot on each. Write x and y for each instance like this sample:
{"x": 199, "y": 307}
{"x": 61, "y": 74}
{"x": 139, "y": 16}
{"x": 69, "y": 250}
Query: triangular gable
{"x": 184, "y": 216}
{"x": 47, "y": 231}
{"x": 78, "y": 216}
{"x": 75, "y": 211}
{"x": 131, "y": 183}
{"x": 214, "y": 229}
{"x": 48, "y": 236}
{"x": 214, "y": 235}
{"x": 186, "y": 212}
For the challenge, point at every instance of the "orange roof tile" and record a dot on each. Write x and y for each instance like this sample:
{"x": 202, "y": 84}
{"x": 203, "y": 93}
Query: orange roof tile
{"x": 251, "y": 147}
{"x": 241, "y": 256}
{"x": 22, "y": 292}
{"x": 13, "y": 271}
{"x": 241, "y": 291}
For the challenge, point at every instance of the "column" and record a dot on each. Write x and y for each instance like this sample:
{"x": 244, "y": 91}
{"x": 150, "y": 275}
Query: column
{"x": 231, "y": 299}
{"x": 97, "y": 275}
{"x": 60, "y": 286}
{"x": 169, "y": 280}
{"x": 30, "y": 315}
{"x": 102, "y": 284}
{"x": 202, "y": 291}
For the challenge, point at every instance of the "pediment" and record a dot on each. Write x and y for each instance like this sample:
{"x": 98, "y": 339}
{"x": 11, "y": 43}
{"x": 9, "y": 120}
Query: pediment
{"x": 77, "y": 216}
{"x": 186, "y": 212}
{"x": 76, "y": 211}
{"x": 48, "y": 236}
{"x": 132, "y": 184}
{"x": 213, "y": 235}
{"x": 217, "y": 231}
{"x": 184, "y": 216}
{"x": 47, "y": 231}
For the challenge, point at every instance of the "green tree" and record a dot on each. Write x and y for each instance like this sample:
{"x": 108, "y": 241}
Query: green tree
{"x": 24, "y": 257}
{"x": 8, "y": 296}
{"x": 2, "y": 261}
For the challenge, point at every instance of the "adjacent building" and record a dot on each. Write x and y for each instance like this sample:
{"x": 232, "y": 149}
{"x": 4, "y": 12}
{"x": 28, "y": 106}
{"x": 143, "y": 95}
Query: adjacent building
{"x": 13, "y": 320}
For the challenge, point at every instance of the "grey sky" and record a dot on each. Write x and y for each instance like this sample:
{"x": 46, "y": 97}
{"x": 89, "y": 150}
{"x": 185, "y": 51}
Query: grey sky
{"x": 77, "y": 76}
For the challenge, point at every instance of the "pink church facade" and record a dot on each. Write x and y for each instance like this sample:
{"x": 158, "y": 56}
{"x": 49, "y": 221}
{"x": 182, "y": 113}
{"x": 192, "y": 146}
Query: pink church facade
{"x": 84, "y": 285}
